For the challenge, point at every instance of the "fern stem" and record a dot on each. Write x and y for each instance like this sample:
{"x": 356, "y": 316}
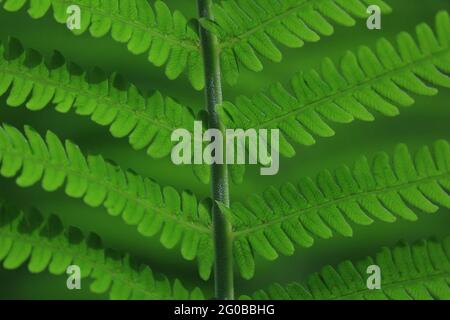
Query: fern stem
{"x": 223, "y": 264}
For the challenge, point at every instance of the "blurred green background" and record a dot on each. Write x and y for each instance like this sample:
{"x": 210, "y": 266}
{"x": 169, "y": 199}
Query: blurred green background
{"x": 426, "y": 121}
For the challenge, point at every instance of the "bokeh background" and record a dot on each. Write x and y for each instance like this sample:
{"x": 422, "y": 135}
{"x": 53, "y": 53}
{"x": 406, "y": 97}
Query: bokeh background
{"x": 426, "y": 121}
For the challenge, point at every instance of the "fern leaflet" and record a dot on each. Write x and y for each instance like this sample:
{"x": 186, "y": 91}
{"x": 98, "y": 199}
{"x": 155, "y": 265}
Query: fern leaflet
{"x": 140, "y": 201}
{"x": 46, "y": 244}
{"x": 384, "y": 190}
{"x": 247, "y": 28}
{"x": 166, "y": 36}
{"x": 377, "y": 81}
{"x": 409, "y": 272}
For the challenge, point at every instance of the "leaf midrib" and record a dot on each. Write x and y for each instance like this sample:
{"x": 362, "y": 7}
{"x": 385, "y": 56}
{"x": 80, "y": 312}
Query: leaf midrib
{"x": 357, "y": 87}
{"x": 420, "y": 279}
{"x": 46, "y": 163}
{"x": 140, "y": 115}
{"x": 402, "y": 283}
{"x": 231, "y": 41}
{"x": 297, "y": 212}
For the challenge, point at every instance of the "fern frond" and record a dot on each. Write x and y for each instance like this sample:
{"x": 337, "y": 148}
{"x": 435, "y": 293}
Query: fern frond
{"x": 369, "y": 81}
{"x": 140, "y": 201}
{"x": 247, "y": 28}
{"x": 165, "y": 35}
{"x": 46, "y": 244}
{"x": 383, "y": 190}
{"x": 409, "y": 272}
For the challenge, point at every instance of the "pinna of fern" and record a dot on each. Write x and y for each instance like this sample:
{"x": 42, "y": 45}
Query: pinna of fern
{"x": 420, "y": 271}
{"x": 363, "y": 83}
{"x": 44, "y": 243}
{"x": 164, "y": 35}
{"x": 384, "y": 189}
{"x": 178, "y": 217}
{"x": 247, "y": 28}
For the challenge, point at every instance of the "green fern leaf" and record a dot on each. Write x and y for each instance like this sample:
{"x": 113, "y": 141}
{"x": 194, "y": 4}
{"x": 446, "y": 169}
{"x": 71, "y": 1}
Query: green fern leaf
{"x": 364, "y": 83}
{"x": 409, "y": 272}
{"x": 44, "y": 243}
{"x": 383, "y": 190}
{"x": 166, "y": 36}
{"x": 140, "y": 201}
{"x": 247, "y": 28}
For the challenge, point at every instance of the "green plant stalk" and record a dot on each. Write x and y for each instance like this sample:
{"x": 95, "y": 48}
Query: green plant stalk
{"x": 223, "y": 256}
